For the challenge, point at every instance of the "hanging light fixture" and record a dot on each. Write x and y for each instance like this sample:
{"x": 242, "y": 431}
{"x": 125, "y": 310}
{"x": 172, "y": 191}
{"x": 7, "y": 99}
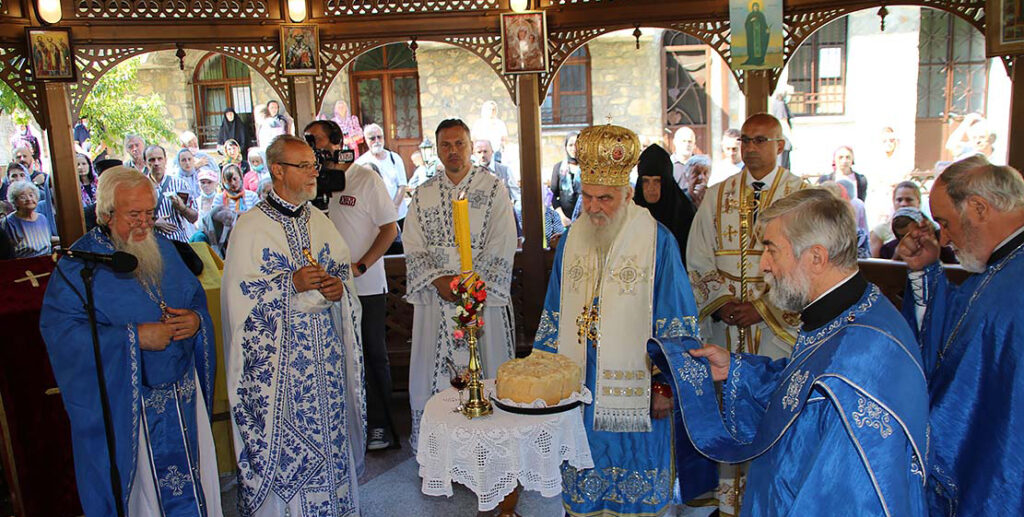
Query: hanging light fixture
{"x": 50, "y": 11}
{"x": 519, "y": 5}
{"x": 297, "y": 10}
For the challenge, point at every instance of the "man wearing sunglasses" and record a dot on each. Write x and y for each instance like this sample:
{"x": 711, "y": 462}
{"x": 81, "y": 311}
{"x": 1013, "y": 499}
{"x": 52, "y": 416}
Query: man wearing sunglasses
{"x": 719, "y": 279}
{"x": 390, "y": 166}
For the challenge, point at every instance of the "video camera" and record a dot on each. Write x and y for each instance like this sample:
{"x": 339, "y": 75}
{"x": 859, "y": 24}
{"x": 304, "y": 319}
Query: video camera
{"x": 330, "y": 178}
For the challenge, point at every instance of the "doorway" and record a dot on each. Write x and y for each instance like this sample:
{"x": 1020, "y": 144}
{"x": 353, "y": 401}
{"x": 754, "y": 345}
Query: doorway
{"x": 385, "y": 91}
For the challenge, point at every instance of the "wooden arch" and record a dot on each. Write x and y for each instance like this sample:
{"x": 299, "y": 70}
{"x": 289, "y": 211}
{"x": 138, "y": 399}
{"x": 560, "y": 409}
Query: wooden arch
{"x": 16, "y": 73}
{"x": 94, "y": 61}
{"x": 336, "y": 55}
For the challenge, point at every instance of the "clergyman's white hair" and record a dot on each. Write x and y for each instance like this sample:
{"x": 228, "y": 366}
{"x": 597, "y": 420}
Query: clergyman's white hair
{"x": 113, "y": 179}
{"x": 816, "y": 216}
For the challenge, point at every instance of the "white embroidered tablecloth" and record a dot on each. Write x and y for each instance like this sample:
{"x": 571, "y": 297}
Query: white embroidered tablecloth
{"x": 494, "y": 453}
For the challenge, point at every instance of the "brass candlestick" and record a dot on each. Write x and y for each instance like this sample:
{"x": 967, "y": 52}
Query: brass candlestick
{"x": 477, "y": 405}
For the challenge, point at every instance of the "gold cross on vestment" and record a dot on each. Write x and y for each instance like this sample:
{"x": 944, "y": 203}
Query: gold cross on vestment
{"x": 730, "y": 233}
{"x": 586, "y": 324}
{"x": 31, "y": 278}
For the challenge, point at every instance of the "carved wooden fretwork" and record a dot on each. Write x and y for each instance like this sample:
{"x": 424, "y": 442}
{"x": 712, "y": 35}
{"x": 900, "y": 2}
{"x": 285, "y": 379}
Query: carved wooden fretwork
{"x": 334, "y": 57}
{"x": 265, "y": 60}
{"x": 715, "y": 34}
{"x": 92, "y": 63}
{"x": 376, "y": 7}
{"x": 561, "y": 44}
{"x": 16, "y": 71}
{"x": 170, "y": 9}
{"x": 487, "y": 48}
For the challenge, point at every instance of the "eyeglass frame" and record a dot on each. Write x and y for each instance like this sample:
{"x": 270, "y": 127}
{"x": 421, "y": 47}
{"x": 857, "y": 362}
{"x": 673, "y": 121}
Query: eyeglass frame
{"x": 758, "y": 140}
{"x": 310, "y": 167}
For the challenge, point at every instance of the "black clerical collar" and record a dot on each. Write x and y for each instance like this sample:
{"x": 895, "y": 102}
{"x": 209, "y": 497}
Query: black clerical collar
{"x": 283, "y": 206}
{"x": 1007, "y": 246}
{"x": 830, "y": 306}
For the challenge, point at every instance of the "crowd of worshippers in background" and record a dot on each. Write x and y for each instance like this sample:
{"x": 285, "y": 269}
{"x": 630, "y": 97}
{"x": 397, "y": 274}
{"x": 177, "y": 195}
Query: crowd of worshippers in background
{"x": 202, "y": 191}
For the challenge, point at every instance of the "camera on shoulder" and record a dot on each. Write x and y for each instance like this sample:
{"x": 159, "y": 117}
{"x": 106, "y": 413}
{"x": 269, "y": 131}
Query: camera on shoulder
{"x": 330, "y": 166}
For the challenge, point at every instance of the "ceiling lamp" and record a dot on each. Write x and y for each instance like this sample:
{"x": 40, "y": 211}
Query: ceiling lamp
{"x": 297, "y": 10}
{"x": 50, "y": 11}
{"x": 519, "y": 5}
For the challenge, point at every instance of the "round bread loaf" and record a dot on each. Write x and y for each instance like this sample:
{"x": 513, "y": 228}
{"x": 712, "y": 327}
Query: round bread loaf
{"x": 541, "y": 375}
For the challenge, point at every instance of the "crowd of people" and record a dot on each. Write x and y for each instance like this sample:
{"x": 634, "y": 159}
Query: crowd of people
{"x": 731, "y": 263}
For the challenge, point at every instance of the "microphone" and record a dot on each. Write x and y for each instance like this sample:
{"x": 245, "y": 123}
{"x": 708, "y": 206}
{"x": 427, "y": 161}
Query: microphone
{"x": 119, "y": 261}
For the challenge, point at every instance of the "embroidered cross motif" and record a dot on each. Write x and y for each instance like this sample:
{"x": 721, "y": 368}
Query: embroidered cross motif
{"x": 628, "y": 275}
{"x": 870, "y": 414}
{"x": 174, "y": 480}
{"x": 477, "y": 198}
{"x": 796, "y": 384}
{"x": 578, "y": 272}
{"x": 31, "y": 278}
{"x": 731, "y": 203}
{"x": 693, "y": 373}
{"x": 730, "y": 233}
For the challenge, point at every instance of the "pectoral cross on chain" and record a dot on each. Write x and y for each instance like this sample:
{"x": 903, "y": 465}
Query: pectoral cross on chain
{"x": 586, "y": 324}
{"x": 32, "y": 278}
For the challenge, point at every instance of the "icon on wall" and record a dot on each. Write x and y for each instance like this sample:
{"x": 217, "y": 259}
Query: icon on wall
{"x": 756, "y": 38}
{"x": 524, "y": 43}
{"x": 52, "y": 56}
{"x": 1005, "y": 22}
{"x": 300, "y": 46}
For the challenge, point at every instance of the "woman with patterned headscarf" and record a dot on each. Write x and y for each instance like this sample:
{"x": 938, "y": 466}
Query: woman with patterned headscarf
{"x": 657, "y": 191}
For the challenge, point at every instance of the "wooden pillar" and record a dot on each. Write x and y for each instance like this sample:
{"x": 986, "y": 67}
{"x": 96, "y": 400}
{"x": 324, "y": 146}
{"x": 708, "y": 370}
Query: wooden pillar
{"x": 303, "y": 103}
{"x": 1015, "y": 155}
{"x": 534, "y": 278}
{"x": 757, "y": 87}
{"x": 67, "y": 197}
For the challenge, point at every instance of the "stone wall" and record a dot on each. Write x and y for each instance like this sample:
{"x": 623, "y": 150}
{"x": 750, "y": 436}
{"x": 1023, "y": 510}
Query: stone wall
{"x": 454, "y": 83}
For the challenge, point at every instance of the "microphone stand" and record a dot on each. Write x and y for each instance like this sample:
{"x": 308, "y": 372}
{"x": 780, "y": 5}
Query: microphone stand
{"x": 88, "y": 272}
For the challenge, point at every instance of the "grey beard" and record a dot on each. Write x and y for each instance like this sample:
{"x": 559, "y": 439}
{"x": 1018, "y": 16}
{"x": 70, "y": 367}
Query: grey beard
{"x": 602, "y": 237}
{"x": 789, "y": 294}
{"x": 151, "y": 263}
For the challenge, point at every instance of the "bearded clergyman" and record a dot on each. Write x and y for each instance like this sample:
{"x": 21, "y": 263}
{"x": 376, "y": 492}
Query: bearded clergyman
{"x": 838, "y": 427}
{"x": 294, "y": 359}
{"x": 617, "y": 280}
{"x": 158, "y": 363}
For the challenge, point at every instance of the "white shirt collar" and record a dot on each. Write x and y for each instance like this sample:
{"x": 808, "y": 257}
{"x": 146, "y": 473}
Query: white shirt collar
{"x": 1008, "y": 239}
{"x": 833, "y": 288}
{"x": 767, "y": 180}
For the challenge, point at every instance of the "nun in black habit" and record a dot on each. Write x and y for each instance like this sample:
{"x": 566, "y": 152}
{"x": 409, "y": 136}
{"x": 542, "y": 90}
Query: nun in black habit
{"x": 657, "y": 191}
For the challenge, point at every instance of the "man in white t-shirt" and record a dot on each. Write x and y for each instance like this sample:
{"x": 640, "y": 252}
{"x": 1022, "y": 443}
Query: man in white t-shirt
{"x": 390, "y": 166}
{"x": 366, "y": 218}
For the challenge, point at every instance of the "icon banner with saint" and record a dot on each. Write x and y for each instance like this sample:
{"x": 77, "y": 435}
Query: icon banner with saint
{"x": 756, "y": 38}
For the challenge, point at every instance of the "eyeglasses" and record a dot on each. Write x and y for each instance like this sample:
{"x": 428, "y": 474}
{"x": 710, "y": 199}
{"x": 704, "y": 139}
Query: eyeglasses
{"x": 759, "y": 140}
{"x": 301, "y": 166}
{"x": 137, "y": 217}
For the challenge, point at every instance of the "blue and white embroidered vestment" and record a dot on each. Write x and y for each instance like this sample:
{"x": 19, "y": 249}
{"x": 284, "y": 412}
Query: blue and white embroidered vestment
{"x": 972, "y": 343}
{"x": 162, "y": 436}
{"x": 294, "y": 366}
{"x": 836, "y": 429}
{"x": 633, "y": 472}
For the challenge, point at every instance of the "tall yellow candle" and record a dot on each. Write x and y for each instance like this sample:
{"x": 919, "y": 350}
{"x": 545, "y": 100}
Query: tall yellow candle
{"x": 460, "y": 219}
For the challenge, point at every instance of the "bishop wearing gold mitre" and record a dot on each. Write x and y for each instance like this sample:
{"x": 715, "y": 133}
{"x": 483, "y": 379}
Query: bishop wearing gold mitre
{"x": 723, "y": 255}
{"x": 618, "y": 280}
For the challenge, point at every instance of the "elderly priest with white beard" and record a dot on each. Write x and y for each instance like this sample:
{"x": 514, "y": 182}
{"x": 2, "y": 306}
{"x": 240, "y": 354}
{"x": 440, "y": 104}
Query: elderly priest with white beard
{"x": 617, "y": 281}
{"x": 158, "y": 361}
{"x": 839, "y": 426}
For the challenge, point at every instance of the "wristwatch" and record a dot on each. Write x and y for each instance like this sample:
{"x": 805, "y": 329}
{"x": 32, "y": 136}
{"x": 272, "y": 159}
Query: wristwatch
{"x": 361, "y": 267}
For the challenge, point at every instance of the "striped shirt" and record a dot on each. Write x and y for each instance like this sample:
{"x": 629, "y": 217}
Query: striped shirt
{"x": 28, "y": 238}
{"x": 172, "y": 186}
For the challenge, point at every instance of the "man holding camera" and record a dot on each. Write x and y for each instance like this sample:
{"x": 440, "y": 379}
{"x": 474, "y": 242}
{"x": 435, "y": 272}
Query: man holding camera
{"x": 365, "y": 217}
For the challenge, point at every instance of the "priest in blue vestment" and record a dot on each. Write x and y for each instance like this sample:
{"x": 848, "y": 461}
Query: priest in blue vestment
{"x": 158, "y": 364}
{"x": 972, "y": 341}
{"x": 839, "y": 427}
{"x": 618, "y": 280}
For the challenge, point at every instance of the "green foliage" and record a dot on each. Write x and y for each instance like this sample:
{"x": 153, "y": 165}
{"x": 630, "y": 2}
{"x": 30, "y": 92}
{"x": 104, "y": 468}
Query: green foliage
{"x": 12, "y": 105}
{"x": 115, "y": 109}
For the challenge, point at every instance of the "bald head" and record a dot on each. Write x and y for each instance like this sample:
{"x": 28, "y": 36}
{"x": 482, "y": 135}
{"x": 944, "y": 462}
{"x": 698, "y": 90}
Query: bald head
{"x": 683, "y": 143}
{"x": 761, "y": 143}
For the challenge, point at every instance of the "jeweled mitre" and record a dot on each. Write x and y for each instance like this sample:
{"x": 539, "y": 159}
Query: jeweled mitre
{"x": 606, "y": 155}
